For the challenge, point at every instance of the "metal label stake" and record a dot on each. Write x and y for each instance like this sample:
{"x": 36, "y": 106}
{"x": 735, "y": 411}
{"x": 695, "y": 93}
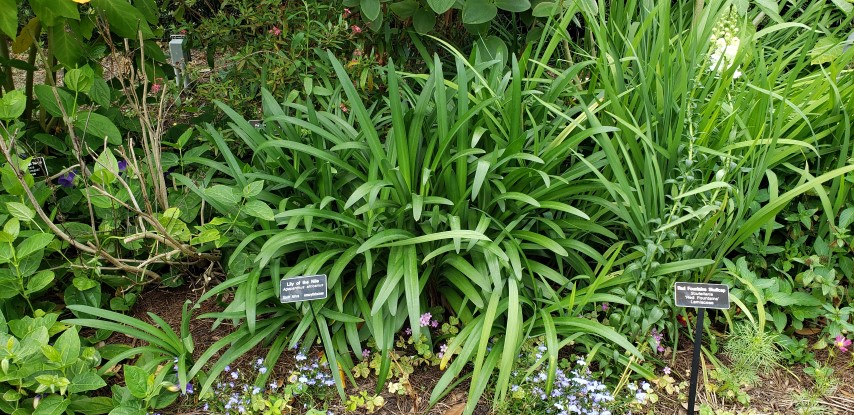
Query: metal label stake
{"x": 701, "y": 297}
{"x": 179, "y": 57}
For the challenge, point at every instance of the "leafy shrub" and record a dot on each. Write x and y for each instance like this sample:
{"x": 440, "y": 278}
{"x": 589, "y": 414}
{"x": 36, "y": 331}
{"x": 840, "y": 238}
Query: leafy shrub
{"x": 54, "y": 375}
{"x": 278, "y": 47}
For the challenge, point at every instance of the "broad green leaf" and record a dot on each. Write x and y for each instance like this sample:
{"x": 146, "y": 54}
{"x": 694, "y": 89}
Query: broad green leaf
{"x": 546, "y": 9}
{"x": 20, "y": 211}
{"x": 39, "y": 281}
{"x": 84, "y": 283}
{"x": 513, "y": 5}
{"x": 32, "y": 244}
{"x": 207, "y": 235}
{"x": 224, "y": 195}
{"x": 106, "y": 168}
{"x": 67, "y": 45}
{"x": 48, "y": 101}
{"x": 259, "y": 209}
{"x": 149, "y": 9}
{"x": 826, "y": 50}
{"x": 795, "y": 298}
{"x": 370, "y": 8}
{"x": 404, "y": 9}
{"x": 127, "y": 410}
{"x": 13, "y": 226}
{"x": 479, "y": 11}
{"x": 253, "y": 189}
{"x": 68, "y": 346}
{"x": 423, "y": 21}
{"x": 12, "y": 105}
{"x": 91, "y": 406}
{"x": 441, "y": 6}
{"x": 52, "y": 405}
{"x": 96, "y": 125}
{"x": 9, "y": 18}
{"x": 51, "y": 12}
{"x": 124, "y": 20}
{"x": 80, "y": 79}
{"x": 136, "y": 379}
{"x": 100, "y": 92}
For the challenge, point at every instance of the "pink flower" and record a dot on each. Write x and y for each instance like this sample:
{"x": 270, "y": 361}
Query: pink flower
{"x": 605, "y": 306}
{"x": 666, "y": 370}
{"x": 357, "y": 52}
{"x": 434, "y": 324}
{"x": 344, "y": 108}
{"x": 275, "y": 31}
{"x": 155, "y": 88}
{"x": 842, "y": 343}
{"x": 356, "y": 29}
{"x": 425, "y": 319}
{"x": 347, "y": 13}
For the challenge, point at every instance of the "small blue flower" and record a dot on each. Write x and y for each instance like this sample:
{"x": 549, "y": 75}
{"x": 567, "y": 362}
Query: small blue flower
{"x": 67, "y": 180}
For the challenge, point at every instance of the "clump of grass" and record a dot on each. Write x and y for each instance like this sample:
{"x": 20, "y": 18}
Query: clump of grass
{"x": 752, "y": 351}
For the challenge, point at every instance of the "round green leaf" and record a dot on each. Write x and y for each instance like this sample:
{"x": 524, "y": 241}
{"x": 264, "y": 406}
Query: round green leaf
{"x": 370, "y": 8}
{"x": 404, "y": 9}
{"x": 441, "y": 6}
{"x": 546, "y": 9}
{"x": 80, "y": 79}
{"x": 12, "y": 105}
{"x": 423, "y": 21}
{"x": 513, "y": 5}
{"x": 98, "y": 126}
{"x": 479, "y": 11}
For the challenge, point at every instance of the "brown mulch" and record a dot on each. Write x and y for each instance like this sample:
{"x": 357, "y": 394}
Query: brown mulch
{"x": 773, "y": 394}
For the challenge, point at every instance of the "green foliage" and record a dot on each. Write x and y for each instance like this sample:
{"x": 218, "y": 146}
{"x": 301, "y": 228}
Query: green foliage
{"x": 280, "y": 48}
{"x": 364, "y": 400}
{"x": 425, "y": 12}
{"x": 751, "y": 351}
{"x": 51, "y": 376}
{"x": 422, "y": 211}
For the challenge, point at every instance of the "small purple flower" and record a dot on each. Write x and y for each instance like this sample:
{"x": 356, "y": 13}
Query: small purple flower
{"x": 605, "y": 306}
{"x": 408, "y": 331}
{"x": 666, "y": 370}
{"x": 262, "y": 370}
{"x": 123, "y": 165}
{"x": 67, "y": 180}
{"x": 366, "y": 353}
{"x": 189, "y": 389}
{"x": 657, "y": 337}
{"x": 425, "y": 319}
{"x": 434, "y": 324}
{"x": 300, "y": 357}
